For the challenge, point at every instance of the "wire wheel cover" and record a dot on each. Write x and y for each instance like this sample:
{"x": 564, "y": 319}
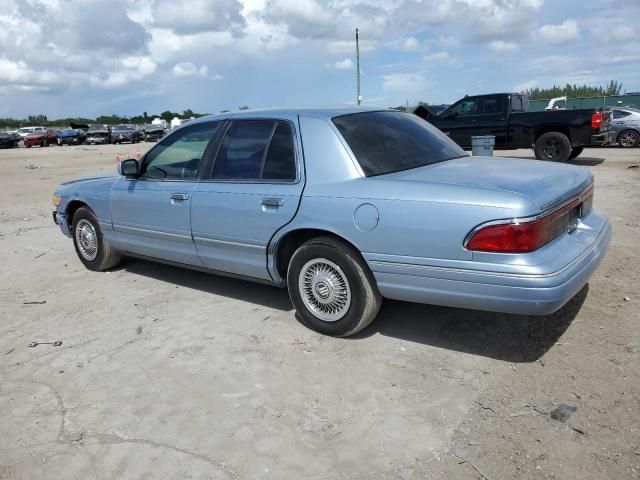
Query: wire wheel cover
{"x": 87, "y": 240}
{"x": 324, "y": 289}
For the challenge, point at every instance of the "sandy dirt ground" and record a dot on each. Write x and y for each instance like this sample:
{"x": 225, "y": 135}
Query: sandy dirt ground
{"x": 174, "y": 374}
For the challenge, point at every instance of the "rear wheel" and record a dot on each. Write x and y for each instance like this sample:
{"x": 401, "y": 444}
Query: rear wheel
{"x": 92, "y": 248}
{"x": 575, "y": 152}
{"x": 553, "y": 146}
{"x": 629, "y": 139}
{"x": 332, "y": 288}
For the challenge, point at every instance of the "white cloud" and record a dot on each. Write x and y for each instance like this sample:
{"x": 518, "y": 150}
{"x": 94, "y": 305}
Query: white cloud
{"x": 438, "y": 57}
{"x": 405, "y": 85}
{"x": 199, "y": 16}
{"x": 557, "y": 34}
{"x": 410, "y": 44}
{"x": 346, "y": 64}
{"x": 524, "y": 86}
{"x": 502, "y": 46}
{"x": 188, "y": 69}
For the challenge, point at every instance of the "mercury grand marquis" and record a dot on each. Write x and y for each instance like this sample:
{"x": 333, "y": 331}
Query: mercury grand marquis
{"x": 345, "y": 207}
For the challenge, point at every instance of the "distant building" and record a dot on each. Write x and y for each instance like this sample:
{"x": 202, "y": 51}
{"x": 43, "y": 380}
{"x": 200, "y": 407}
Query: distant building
{"x": 159, "y": 121}
{"x": 627, "y": 100}
{"x": 175, "y": 122}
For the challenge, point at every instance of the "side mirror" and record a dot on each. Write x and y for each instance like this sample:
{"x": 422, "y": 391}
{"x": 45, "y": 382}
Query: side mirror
{"x": 129, "y": 168}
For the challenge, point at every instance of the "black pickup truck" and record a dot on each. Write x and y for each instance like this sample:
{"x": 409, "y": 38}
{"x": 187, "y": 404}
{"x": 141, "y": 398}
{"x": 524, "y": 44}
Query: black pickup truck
{"x": 558, "y": 135}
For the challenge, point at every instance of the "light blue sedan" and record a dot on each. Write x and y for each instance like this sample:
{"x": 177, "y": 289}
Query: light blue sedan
{"x": 344, "y": 207}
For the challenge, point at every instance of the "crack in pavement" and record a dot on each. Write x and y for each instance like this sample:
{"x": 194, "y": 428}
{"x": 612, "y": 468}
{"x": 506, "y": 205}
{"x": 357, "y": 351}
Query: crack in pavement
{"x": 75, "y": 439}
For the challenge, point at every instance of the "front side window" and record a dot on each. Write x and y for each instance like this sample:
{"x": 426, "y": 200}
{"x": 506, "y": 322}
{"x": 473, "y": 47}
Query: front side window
{"x": 467, "y": 106}
{"x": 387, "y": 141}
{"x": 178, "y": 156}
{"x": 256, "y": 150}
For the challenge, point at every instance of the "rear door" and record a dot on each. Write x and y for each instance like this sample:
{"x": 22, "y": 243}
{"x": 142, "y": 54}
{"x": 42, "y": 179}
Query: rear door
{"x": 252, "y": 190}
{"x": 493, "y": 119}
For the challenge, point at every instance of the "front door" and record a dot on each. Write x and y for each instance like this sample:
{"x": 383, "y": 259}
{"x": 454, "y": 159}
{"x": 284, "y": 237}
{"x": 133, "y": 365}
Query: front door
{"x": 252, "y": 190}
{"x": 151, "y": 213}
{"x": 460, "y": 121}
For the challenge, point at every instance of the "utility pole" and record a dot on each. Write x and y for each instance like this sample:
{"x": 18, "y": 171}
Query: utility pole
{"x": 358, "y": 98}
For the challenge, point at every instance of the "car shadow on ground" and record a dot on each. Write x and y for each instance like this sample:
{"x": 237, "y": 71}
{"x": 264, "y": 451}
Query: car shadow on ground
{"x": 586, "y": 161}
{"x": 260, "y": 294}
{"x": 512, "y": 338}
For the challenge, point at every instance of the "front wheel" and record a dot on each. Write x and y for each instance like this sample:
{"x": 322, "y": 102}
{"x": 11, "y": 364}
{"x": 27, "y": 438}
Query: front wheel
{"x": 554, "y": 146}
{"x": 92, "y": 248}
{"x": 332, "y": 288}
{"x": 629, "y": 139}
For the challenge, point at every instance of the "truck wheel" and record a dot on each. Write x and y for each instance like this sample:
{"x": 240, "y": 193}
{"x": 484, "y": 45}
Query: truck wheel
{"x": 92, "y": 248}
{"x": 629, "y": 139}
{"x": 575, "y": 152}
{"x": 332, "y": 288}
{"x": 554, "y": 146}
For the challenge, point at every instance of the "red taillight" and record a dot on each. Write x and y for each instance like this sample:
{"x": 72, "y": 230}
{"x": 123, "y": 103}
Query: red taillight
{"x": 523, "y": 237}
{"x": 596, "y": 120}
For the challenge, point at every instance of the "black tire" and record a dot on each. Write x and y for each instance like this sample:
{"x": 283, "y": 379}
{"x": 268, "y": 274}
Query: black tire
{"x": 553, "y": 146}
{"x": 105, "y": 257}
{"x": 629, "y": 139}
{"x": 365, "y": 299}
{"x": 575, "y": 152}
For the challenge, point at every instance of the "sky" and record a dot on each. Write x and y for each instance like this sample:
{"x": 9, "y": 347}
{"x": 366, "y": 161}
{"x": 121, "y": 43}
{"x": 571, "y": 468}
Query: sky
{"x": 92, "y": 57}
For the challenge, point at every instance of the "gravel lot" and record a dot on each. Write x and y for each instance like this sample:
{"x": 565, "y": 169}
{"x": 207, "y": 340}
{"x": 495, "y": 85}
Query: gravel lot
{"x": 169, "y": 373}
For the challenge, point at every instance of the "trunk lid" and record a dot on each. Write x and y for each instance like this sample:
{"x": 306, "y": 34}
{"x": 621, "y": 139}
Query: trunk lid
{"x": 545, "y": 184}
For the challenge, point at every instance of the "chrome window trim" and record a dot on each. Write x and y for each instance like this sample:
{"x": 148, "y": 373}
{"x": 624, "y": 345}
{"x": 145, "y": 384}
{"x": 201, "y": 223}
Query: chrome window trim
{"x": 516, "y": 220}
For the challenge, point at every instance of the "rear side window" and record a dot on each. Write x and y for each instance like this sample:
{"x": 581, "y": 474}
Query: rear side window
{"x": 494, "y": 104}
{"x": 620, "y": 114}
{"x": 256, "y": 150}
{"x": 387, "y": 141}
{"x": 280, "y": 163}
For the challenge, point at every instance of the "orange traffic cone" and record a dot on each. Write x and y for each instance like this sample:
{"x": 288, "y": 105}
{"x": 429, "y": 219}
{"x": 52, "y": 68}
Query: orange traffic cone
{"x": 116, "y": 159}
{"x": 137, "y": 154}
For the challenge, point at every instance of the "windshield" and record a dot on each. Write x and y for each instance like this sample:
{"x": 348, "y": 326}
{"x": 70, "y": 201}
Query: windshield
{"x": 388, "y": 141}
{"x": 123, "y": 127}
{"x": 25, "y": 130}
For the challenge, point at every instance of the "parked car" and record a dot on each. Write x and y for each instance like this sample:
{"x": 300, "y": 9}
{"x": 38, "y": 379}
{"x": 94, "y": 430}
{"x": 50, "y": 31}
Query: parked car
{"x": 626, "y": 126}
{"x": 153, "y": 133}
{"x": 345, "y": 207}
{"x": 71, "y": 136}
{"x": 125, "y": 133}
{"x": 24, "y": 131}
{"x": 9, "y": 140}
{"x": 558, "y": 135}
{"x": 41, "y": 138}
{"x": 98, "y": 135}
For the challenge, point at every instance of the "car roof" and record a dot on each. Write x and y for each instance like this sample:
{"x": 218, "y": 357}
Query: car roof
{"x": 324, "y": 112}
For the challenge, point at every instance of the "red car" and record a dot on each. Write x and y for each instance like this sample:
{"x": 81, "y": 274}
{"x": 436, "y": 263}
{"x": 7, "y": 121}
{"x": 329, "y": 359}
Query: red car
{"x": 44, "y": 139}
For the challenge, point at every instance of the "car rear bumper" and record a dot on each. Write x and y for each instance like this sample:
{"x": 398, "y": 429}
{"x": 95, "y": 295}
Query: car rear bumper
{"x": 518, "y": 293}
{"x": 605, "y": 138}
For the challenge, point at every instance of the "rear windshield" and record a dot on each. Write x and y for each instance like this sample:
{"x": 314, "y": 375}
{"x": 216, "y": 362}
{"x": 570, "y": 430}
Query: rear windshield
{"x": 386, "y": 142}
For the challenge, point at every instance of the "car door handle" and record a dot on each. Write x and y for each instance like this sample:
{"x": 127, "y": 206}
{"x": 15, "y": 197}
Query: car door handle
{"x": 272, "y": 202}
{"x": 179, "y": 196}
